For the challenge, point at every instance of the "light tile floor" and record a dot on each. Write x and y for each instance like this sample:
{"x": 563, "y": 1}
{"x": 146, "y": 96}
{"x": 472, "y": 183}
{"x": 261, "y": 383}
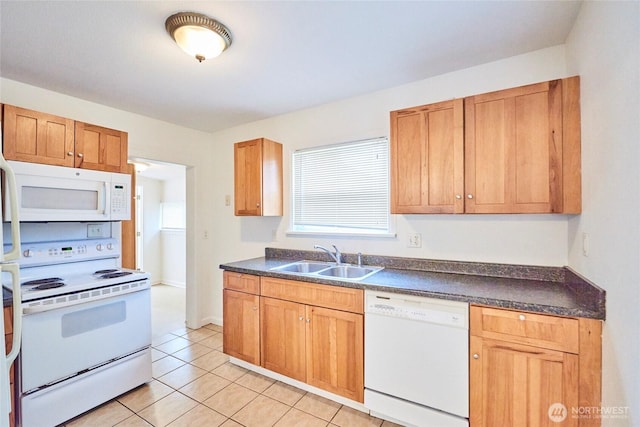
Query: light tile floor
{"x": 195, "y": 385}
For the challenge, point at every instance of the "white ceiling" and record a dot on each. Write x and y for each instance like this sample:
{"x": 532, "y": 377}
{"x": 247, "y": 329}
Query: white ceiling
{"x": 285, "y": 55}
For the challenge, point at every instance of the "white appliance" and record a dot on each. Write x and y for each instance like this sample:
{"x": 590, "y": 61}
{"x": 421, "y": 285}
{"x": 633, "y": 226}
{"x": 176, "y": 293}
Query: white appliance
{"x": 13, "y": 284}
{"x": 86, "y": 329}
{"x": 57, "y": 193}
{"x": 416, "y": 359}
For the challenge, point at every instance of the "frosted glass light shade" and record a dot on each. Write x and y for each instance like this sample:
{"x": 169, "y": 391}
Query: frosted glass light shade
{"x": 198, "y": 35}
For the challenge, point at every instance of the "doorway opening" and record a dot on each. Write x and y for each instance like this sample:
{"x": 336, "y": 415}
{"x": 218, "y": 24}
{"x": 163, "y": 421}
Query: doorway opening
{"x": 160, "y": 237}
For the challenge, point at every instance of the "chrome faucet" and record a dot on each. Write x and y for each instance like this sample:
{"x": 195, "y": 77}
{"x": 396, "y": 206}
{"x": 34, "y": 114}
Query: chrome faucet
{"x": 337, "y": 256}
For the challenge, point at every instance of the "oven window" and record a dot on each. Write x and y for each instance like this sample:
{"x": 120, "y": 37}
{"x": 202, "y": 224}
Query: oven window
{"x": 59, "y": 198}
{"x": 90, "y": 319}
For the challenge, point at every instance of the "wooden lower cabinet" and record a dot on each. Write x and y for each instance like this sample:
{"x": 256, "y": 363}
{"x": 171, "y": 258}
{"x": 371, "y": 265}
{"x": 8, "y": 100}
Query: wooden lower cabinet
{"x": 8, "y": 341}
{"x": 515, "y": 385}
{"x": 283, "y": 330}
{"x": 335, "y": 352}
{"x": 530, "y": 369}
{"x": 305, "y": 331}
{"x": 241, "y": 325}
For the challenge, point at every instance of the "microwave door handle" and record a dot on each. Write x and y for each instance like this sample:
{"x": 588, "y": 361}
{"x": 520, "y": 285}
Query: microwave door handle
{"x": 14, "y": 253}
{"x": 106, "y": 200}
{"x": 14, "y": 269}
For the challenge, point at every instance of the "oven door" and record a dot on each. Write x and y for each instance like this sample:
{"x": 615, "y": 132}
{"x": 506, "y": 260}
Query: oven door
{"x": 60, "y": 343}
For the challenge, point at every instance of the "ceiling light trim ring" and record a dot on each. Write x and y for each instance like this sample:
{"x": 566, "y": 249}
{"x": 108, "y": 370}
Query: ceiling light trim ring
{"x": 181, "y": 19}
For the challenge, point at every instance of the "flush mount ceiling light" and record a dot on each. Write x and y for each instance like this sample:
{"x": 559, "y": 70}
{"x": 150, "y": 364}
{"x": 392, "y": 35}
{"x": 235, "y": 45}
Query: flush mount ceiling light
{"x": 198, "y": 35}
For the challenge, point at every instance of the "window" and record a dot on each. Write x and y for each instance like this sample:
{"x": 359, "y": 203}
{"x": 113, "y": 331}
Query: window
{"x": 172, "y": 215}
{"x": 342, "y": 188}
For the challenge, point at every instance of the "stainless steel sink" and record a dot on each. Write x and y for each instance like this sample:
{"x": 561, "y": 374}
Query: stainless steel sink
{"x": 302, "y": 267}
{"x": 349, "y": 271}
{"x": 328, "y": 270}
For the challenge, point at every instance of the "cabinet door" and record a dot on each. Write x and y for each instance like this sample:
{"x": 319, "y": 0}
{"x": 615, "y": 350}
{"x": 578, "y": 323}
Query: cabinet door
{"x": 101, "y": 148}
{"x": 248, "y": 177}
{"x": 283, "y": 337}
{"x": 335, "y": 352}
{"x": 31, "y": 136}
{"x": 427, "y": 166}
{"x": 517, "y": 385}
{"x": 241, "y": 326}
{"x": 514, "y": 150}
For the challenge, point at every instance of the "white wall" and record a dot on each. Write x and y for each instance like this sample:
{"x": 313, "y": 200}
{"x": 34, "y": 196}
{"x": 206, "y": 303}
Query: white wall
{"x": 152, "y": 247}
{"x": 155, "y": 140}
{"x": 519, "y": 239}
{"x": 174, "y": 240}
{"x": 604, "y": 48}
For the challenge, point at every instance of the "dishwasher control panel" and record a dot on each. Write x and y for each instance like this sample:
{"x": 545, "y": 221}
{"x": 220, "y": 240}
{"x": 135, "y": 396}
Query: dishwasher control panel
{"x": 442, "y": 312}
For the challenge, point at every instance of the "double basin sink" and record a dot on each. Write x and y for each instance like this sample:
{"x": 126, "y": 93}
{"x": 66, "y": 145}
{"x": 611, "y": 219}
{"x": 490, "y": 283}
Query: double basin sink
{"x": 328, "y": 270}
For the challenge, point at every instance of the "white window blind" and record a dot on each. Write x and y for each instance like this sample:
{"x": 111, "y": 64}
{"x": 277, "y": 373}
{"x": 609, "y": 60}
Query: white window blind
{"x": 342, "y": 188}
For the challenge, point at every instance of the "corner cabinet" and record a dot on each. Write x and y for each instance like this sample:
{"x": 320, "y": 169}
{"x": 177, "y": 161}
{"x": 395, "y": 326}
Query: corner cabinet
{"x": 511, "y": 151}
{"x": 35, "y": 137}
{"x": 532, "y": 370}
{"x": 258, "y": 178}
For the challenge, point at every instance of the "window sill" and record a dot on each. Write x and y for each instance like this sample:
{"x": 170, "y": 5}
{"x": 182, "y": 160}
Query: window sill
{"x": 386, "y": 235}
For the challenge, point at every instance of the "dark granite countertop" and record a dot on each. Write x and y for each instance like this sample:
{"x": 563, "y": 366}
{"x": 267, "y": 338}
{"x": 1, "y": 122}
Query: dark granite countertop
{"x": 552, "y": 290}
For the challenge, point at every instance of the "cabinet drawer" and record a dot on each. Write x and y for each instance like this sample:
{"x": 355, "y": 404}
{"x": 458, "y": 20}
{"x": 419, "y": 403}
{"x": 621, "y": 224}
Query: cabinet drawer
{"x": 241, "y": 282}
{"x": 336, "y": 297}
{"x": 556, "y": 333}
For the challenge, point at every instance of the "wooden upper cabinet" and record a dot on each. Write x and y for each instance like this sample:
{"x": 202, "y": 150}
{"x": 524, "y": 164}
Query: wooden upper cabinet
{"x": 35, "y": 137}
{"x": 511, "y": 151}
{"x": 427, "y": 166}
{"x": 31, "y": 136}
{"x": 258, "y": 178}
{"x": 100, "y": 148}
{"x": 522, "y": 149}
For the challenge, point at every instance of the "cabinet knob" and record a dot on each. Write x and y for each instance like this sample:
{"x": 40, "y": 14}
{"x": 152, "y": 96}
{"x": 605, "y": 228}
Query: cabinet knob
{"x": 80, "y": 155}
{"x": 469, "y": 196}
{"x": 300, "y": 318}
{"x": 522, "y": 317}
{"x": 308, "y": 320}
{"x": 476, "y": 356}
{"x": 255, "y": 308}
{"x": 69, "y": 153}
{"x": 257, "y": 205}
{"x": 458, "y": 196}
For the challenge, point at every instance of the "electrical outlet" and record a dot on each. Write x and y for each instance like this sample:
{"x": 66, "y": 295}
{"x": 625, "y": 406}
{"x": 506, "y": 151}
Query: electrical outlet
{"x": 227, "y": 200}
{"x": 95, "y": 230}
{"x": 414, "y": 240}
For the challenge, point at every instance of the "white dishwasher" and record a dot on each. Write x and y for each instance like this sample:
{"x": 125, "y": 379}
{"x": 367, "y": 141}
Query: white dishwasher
{"x": 416, "y": 359}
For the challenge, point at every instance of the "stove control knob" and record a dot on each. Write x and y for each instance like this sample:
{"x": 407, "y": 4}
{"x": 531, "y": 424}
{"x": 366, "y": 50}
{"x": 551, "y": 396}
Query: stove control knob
{"x": 27, "y": 253}
{"x": 109, "y": 246}
{"x": 99, "y": 246}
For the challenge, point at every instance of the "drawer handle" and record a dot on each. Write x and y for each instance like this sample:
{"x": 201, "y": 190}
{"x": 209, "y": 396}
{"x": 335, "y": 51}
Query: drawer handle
{"x": 522, "y": 317}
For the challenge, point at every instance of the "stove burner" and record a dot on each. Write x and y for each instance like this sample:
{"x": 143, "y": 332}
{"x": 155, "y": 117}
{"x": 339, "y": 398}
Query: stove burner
{"x": 50, "y": 285}
{"x": 115, "y": 274}
{"x": 110, "y": 270}
{"x": 47, "y": 283}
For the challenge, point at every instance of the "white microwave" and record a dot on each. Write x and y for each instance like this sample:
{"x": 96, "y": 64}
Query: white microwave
{"x": 57, "y": 193}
